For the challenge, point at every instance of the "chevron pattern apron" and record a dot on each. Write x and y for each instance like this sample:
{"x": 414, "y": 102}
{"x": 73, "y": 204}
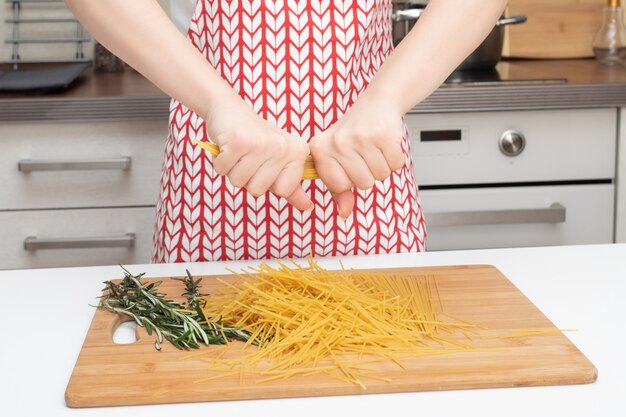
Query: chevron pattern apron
{"x": 300, "y": 64}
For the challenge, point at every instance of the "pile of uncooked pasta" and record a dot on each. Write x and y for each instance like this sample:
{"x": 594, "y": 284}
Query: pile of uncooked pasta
{"x": 305, "y": 320}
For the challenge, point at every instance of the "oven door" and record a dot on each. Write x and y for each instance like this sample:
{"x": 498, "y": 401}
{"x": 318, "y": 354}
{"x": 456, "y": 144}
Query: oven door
{"x": 495, "y": 217}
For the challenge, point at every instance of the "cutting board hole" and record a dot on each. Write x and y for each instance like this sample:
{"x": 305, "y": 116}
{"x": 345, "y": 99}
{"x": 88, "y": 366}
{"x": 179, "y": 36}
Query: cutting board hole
{"x": 125, "y": 333}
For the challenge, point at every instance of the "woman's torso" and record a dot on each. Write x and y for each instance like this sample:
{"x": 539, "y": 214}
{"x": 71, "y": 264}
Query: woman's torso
{"x": 300, "y": 65}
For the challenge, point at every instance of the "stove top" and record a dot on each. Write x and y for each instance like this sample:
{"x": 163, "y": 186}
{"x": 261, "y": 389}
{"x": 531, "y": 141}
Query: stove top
{"x": 502, "y": 74}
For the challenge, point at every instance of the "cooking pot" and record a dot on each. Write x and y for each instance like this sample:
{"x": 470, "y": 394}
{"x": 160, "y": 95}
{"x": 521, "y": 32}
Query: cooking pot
{"x": 488, "y": 53}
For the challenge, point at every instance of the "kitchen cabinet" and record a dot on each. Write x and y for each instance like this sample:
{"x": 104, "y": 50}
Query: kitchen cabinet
{"x": 76, "y": 237}
{"x": 68, "y": 185}
{"x": 569, "y": 113}
{"x": 79, "y": 193}
{"x": 518, "y": 216}
{"x": 88, "y": 164}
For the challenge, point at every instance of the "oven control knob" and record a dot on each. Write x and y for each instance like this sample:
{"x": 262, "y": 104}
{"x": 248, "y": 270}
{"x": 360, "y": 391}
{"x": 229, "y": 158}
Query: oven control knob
{"x": 512, "y": 143}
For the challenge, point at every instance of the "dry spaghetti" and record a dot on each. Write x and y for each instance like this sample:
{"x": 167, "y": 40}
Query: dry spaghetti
{"x": 308, "y": 321}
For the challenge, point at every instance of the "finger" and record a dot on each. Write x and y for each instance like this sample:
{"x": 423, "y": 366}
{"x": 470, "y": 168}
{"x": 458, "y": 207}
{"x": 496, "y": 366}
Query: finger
{"x": 228, "y": 157}
{"x": 300, "y": 200}
{"x": 345, "y": 203}
{"x": 338, "y": 183}
{"x": 332, "y": 174}
{"x": 288, "y": 179}
{"x": 376, "y": 162}
{"x": 357, "y": 170}
{"x": 241, "y": 173}
{"x": 264, "y": 177}
{"x": 394, "y": 156}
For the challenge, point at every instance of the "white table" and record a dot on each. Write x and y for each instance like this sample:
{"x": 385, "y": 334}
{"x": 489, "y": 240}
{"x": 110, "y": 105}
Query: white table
{"x": 45, "y": 315}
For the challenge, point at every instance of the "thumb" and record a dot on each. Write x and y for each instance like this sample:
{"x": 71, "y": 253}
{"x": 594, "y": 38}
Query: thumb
{"x": 300, "y": 200}
{"x": 345, "y": 203}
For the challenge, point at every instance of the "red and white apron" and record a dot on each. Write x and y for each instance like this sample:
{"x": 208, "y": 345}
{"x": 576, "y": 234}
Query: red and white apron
{"x": 300, "y": 64}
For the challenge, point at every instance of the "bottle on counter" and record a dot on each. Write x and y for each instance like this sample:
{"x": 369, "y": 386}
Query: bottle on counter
{"x": 609, "y": 44}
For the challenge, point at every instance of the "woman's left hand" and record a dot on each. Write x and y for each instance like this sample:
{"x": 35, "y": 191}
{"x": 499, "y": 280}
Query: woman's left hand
{"x": 363, "y": 146}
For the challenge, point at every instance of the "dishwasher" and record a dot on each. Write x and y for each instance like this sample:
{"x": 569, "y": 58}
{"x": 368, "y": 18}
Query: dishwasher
{"x": 516, "y": 178}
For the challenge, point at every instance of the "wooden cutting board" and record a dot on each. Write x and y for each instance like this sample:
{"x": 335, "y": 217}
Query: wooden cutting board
{"x": 555, "y": 28}
{"x": 108, "y": 374}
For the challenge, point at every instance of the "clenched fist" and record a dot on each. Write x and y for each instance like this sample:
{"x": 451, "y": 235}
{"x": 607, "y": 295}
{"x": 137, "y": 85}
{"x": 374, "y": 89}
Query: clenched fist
{"x": 256, "y": 155}
{"x": 363, "y": 146}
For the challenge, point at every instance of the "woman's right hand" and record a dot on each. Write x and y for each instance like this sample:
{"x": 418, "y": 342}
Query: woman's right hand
{"x": 256, "y": 155}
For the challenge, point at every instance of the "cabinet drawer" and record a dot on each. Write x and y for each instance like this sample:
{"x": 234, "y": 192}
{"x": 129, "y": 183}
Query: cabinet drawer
{"x": 58, "y": 165}
{"x": 518, "y": 216}
{"x": 84, "y": 237}
{"x": 464, "y": 148}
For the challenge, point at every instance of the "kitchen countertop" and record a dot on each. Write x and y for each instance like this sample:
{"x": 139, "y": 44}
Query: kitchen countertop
{"x": 128, "y": 95}
{"x": 580, "y": 287}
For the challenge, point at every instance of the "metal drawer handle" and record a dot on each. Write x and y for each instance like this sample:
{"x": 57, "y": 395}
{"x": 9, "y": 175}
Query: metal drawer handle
{"x": 30, "y": 165}
{"x": 33, "y": 243}
{"x": 553, "y": 214}
{"x": 408, "y": 14}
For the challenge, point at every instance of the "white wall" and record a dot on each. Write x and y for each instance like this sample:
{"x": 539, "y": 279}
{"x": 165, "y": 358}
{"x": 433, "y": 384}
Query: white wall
{"x": 45, "y": 51}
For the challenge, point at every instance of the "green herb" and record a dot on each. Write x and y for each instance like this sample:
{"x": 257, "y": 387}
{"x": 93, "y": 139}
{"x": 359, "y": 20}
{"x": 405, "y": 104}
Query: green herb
{"x": 192, "y": 290}
{"x": 184, "y": 327}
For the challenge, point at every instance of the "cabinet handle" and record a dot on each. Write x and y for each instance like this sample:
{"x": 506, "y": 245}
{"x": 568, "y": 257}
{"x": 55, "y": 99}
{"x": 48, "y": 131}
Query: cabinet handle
{"x": 408, "y": 14}
{"x": 553, "y": 214}
{"x": 29, "y": 165}
{"x": 33, "y": 243}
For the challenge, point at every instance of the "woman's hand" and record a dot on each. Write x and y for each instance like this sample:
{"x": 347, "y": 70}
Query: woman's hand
{"x": 363, "y": 146}
{"x": 256, "y": 155}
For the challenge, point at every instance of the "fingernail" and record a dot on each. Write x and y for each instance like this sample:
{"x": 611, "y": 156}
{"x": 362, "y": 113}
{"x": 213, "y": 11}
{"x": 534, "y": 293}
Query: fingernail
{"x": 310, "y": 208}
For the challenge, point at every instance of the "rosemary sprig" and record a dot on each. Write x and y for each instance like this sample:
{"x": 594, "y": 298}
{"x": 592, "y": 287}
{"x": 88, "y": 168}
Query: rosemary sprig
{"x": 185, "y": 328}
{"x": 192, "y": 290}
